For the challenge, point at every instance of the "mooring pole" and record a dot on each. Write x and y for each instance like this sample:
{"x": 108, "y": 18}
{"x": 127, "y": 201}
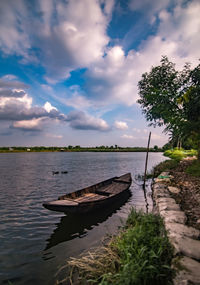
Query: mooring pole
{"x": 147, "y": 155}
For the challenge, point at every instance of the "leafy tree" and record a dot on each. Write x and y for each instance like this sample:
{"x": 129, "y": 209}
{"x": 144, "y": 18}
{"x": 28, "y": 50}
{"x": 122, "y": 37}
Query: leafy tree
{"x": 172, "y": 98}
{"x": 155, "y": 148}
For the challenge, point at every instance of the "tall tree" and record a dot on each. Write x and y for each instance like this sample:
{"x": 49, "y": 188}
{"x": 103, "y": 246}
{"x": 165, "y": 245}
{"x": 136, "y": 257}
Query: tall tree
{"x": 167, "y": 97}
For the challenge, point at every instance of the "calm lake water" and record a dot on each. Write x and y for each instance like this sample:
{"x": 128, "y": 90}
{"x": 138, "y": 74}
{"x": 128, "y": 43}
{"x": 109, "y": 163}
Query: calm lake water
{"x": 35, "y": 242}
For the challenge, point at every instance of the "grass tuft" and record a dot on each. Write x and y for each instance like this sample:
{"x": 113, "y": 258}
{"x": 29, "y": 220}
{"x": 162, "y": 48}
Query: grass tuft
{"x": 141, "y": 254}
{"x": 166, "y": 165}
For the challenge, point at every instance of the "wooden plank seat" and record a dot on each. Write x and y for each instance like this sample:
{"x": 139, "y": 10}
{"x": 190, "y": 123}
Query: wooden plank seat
{"x": 66, "y": 202}
{"x": 108, "y": 190}
{"x": 89, "y": 197}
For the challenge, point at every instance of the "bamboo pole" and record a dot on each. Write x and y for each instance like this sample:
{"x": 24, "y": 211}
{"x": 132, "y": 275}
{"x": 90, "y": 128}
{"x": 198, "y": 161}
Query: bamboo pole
{"x": 146, "y": 162}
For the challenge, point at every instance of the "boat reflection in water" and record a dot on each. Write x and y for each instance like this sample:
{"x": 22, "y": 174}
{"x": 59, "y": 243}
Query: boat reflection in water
{"x": 73, "y": 226}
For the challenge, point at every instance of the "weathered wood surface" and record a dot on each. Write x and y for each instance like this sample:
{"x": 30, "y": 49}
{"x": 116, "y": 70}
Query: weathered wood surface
{"x": 91, "y": 197}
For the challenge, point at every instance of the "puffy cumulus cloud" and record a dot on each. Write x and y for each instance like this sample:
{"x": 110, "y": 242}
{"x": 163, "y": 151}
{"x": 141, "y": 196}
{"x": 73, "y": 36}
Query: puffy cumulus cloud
{"x": 11, "y": 93}
{"x": 82, "y": 121}
{"x": 48, "y": 107}
{"x": 77, "y": 39}
{"x": 29, "y": 125}
{"x": 8, "y": 82}
{"x": 121, "y": 125}
{"x": 182, "y": 28}
{"x": 16, "y": 105}
{"x": 114, "y": 78}
{"x": 21, "y": 109}
{"x": 65, "y": 34}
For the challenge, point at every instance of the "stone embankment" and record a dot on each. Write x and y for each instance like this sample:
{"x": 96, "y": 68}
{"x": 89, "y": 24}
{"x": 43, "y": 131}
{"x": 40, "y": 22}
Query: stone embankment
{"x": 184, "y": 239}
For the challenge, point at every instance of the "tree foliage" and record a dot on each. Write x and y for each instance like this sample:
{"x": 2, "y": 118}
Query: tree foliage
{"x": 172, "y": 98}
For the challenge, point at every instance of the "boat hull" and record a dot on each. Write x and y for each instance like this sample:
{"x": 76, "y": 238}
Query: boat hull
{"x": 104, "y": 198}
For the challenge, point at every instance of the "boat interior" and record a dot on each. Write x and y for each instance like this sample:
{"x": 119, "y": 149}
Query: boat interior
{"x": 99, "y": 191}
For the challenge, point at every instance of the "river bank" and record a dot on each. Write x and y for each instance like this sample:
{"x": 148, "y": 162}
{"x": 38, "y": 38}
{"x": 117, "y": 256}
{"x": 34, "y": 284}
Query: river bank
{"x": 179, "y": 197}
{"x": 176, "y": 195}
{"x": 187, "y": 180}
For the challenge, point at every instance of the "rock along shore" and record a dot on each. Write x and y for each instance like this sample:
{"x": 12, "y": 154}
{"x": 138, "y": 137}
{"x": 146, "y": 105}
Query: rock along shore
{"x": 184, "y": 239}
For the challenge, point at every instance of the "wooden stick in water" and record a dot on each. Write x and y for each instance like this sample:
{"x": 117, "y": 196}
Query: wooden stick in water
{"x": 146, "y": 162}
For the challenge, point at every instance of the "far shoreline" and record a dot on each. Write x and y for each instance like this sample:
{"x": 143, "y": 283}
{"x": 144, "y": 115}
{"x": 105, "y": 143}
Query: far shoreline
{"x": 57, "y": 149}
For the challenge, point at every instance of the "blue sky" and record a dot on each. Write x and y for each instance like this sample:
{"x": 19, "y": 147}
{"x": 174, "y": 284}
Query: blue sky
{"x": 69, "y": 69}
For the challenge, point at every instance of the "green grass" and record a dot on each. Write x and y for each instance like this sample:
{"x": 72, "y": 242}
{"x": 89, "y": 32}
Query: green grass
{"x": 194, "y": 168}
{"x": 139, "y": 255}
{"x": 179, "y": 154}
{"x": 166, "y": 165}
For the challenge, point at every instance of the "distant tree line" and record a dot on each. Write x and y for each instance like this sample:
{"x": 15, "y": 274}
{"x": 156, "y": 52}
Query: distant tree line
{"x": 78, "y": 148}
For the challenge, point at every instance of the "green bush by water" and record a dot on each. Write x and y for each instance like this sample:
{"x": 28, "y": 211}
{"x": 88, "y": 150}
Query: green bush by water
{"x": 179, "y": 154}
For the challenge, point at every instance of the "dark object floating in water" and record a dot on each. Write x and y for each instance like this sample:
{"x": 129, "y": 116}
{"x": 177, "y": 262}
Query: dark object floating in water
{"x": 55, "y": 172}
{"x": 93, "y": 197}
{"x": 64, "y": 172}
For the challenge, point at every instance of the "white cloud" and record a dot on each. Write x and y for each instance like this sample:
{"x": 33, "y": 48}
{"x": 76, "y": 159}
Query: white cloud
{"x": 121, "y": 125}
{"x": 78, "y": 102}
{"x": 48, "y": 107}
{"x": 129, "y": 137}
{"x": 76, "y": 38}
{"x": 29, "y": 125}
{"x": 114, "y": 78}
{"x": 4, "y": 92}
{"x": 16, "y": 105}
{"x": 14, "y": 38}
{"x": 82, "y": 121}
{"x": 25, "y": 102}
{"x": 6, "y": 82}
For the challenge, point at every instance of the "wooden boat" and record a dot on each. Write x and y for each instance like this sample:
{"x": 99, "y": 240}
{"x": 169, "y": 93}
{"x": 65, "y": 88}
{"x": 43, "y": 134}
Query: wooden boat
{"x": 93, "y": 197}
